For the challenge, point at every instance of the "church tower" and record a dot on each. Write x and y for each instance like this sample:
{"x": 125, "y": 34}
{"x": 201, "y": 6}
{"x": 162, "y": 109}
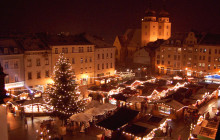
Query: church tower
{"x": 149, "y": 28}
{"x": 164, "y": 25}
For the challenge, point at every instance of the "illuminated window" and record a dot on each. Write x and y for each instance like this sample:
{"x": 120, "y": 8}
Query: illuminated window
{"x": 6, "y": 79}
{"x": 56, "y": 50}
{"x": 46, "y": 61}
{"x": 5, "y": 50}
{"x": 98, "y": 67}
{"x": 214, "y": 66}
{"x": 15, "y": 50}
{"x": 37, "y": 62}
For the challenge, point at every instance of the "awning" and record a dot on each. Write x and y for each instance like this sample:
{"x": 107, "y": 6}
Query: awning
{"x": 119, "y": 119}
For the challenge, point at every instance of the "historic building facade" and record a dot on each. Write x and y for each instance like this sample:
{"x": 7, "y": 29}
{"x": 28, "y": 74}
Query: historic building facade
{"x": 12, "y": 61}
{"x": 189, "y": 54}
{"x": 153, "y": 27}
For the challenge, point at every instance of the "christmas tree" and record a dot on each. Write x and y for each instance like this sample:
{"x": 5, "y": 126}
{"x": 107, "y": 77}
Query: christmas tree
{"x": 62, "y": 95}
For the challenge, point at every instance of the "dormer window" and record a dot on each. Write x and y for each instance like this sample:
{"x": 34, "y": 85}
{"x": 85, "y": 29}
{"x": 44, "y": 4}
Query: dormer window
{"x": 15, "y": 50}
{"x": 5, "y": 50}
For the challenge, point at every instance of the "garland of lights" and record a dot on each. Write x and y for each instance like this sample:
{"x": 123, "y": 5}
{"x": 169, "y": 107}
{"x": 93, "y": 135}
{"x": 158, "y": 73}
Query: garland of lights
{"x": 62, "y": 95}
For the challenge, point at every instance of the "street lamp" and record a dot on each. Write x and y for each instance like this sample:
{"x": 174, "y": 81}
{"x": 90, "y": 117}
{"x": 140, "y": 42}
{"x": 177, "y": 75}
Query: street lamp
{"x": 32, "y": 96}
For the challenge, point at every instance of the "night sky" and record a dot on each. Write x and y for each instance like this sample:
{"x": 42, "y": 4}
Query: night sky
{"x": 106, "y": 18}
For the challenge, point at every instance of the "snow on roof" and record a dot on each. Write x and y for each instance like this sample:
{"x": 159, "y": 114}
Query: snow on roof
{"x": 175, "y": 104}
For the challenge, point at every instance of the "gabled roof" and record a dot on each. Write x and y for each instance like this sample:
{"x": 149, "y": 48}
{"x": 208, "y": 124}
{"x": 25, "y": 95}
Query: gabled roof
{"x": 210, "y": 39}
{"x": 79, "y": 39}
{"x": 120, "y": 118}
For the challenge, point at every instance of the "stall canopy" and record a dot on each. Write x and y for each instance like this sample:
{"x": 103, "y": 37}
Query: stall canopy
{"x": 92, "y": 104}
{"x": 35, "y": 101}
{"x": 175, "y": 104}
{"x": 137, "y": 130}
{"x": 120, "y": 118}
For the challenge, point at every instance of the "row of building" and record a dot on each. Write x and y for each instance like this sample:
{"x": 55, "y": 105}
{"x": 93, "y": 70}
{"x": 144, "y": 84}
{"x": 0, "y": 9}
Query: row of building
{"x": 153, "y": 47}
{"x": 29, "y": 60}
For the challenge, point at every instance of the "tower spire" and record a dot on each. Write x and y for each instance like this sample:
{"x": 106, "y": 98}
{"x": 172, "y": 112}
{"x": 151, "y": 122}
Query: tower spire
{"x": 149, "y": 4}
{"x": 164, "y": 5}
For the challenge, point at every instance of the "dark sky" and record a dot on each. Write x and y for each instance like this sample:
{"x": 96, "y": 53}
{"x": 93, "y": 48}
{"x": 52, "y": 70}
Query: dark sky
{"x": 105, "y": 18}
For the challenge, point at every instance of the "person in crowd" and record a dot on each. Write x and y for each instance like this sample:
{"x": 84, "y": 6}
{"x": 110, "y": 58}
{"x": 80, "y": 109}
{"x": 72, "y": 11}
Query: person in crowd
{"x": 82, "y": 128}
{"x": 25, "y": 122}
{"x": 170, "y": 130}
{"x": 207, "y": 116}
{"x": 164, "y": 131}
{"x": 179, "y": 138}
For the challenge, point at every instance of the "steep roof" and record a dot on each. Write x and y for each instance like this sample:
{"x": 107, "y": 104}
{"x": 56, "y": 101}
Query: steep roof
{"x": 78, "y": 39}
{"x": 34, "y": 44}
{"x": 210, "y": 39}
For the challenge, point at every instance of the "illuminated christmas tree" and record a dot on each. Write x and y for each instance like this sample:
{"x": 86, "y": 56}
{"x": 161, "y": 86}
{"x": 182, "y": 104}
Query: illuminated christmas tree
{"x": 62, "y": 95}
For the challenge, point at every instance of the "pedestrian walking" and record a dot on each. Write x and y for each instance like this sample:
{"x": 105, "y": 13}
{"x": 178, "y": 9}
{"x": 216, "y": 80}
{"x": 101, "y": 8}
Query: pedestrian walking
{"x": 170, "y": 130}
{"x": 207, "y": 116}
{"x": 25, "y": 122}
{"x": 164, "y": 131}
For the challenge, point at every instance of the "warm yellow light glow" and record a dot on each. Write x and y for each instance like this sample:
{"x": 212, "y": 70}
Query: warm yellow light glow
{"x": 50, "y": 81}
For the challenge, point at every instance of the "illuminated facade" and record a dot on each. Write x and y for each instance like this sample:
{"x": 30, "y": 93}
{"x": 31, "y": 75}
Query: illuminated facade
{"x": 82, "y": 59}
{"x": 153, "y": 28}
{"x": 11, "y": 59}
{"x": 104, "y": 61}
{"x": 37, "y": 69}
{"x": 189, "y": 54}
{"x": 90, "y": 56}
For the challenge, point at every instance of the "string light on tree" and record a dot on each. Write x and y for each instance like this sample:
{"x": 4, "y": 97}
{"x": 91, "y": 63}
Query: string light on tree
{"x": 62, "y": 95}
